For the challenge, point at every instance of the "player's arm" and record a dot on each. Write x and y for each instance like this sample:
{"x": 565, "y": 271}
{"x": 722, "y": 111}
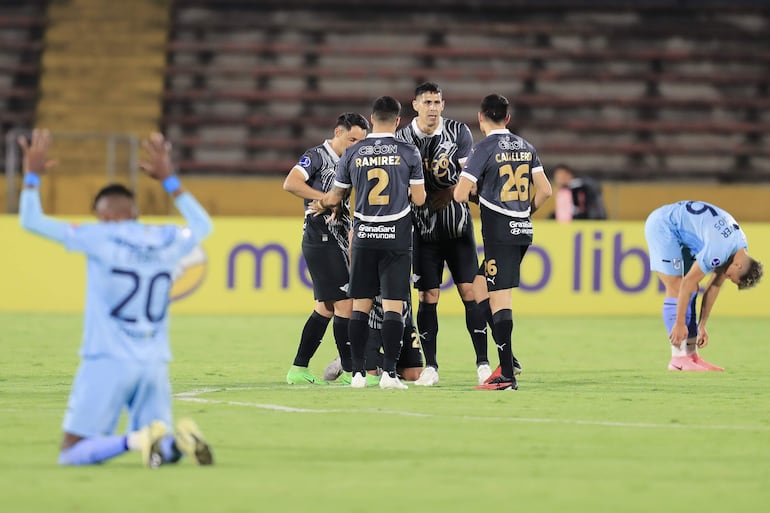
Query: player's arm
{"x": 689, "y": 286}
{"x": 36, "y": 164}
{"x": 417, "y": 192}
{"x": 330, "y": 199}
{"x": 463, "y": 188}
{"x": 296, "y": 183}
{"x": 543, "y": 189}
{"x": 707, "y": 303}
{"x": 158, "y": 166}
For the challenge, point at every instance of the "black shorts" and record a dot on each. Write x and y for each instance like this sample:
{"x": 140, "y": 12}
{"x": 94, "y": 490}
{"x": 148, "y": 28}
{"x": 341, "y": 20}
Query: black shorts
{"x": 329, "y": 271}
{"x": 374, "y": 270}
{"x": 459, "y": 254}
{"x": 502, "y": 265}
{"x": 410, "y": 356}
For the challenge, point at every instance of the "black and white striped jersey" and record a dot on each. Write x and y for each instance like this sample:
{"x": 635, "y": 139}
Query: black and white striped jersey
{"x": 318, "y": 165}
{"x": 443, "y": 154}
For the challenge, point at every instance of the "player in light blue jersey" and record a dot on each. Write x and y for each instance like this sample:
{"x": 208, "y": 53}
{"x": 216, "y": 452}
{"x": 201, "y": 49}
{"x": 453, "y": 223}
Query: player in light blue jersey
{"x": 688, "y": 240}
{"x": 125, "y": 350}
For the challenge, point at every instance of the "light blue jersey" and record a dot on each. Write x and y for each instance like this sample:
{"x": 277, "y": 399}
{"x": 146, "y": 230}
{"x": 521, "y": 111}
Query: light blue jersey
{"x": 125, "y": 346}
{"x": 710, "y": 234}
{"x": 129, "y": 276}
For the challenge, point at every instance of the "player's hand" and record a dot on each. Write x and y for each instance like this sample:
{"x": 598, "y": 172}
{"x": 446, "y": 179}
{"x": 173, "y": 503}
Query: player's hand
{"x": 336, "y": 213}
{"x": 316, "y": 208}
{"x": 440, "y": 199}
{"x": 703, "y": 337}
{"x": 36, "y": 152}
{"x": 679, "y": 334}
{"x": 158, "y": 163}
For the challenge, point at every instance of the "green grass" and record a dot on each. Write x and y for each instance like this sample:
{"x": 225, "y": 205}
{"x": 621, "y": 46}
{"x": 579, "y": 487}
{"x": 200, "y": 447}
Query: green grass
{"x": 597, "y": 425}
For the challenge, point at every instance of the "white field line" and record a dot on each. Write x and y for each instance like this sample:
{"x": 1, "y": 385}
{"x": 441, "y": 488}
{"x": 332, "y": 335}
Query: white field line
{"x": 193, "y": 396}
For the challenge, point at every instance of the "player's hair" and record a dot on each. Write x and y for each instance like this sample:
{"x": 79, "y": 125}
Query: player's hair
{"x": 386, "y": 109}
{"x": 494, "y": 107}
{"x": 752, "y": 276}
{"x": 427, "y": 87}
{"x": 564, "y": 167}
{"x": 113, "y": 189}
{"x": 348, "y": 120}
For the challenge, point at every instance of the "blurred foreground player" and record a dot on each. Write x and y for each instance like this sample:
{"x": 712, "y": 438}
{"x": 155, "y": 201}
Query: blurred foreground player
{"x": 125, "y": 350}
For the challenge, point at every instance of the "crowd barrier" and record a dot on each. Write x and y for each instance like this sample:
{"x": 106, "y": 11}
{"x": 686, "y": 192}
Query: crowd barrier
{"x": 255, "y": 266}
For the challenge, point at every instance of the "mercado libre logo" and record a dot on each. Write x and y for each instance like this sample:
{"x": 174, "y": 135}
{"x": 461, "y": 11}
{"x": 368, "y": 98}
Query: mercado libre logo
{"x": 190, "y": 274}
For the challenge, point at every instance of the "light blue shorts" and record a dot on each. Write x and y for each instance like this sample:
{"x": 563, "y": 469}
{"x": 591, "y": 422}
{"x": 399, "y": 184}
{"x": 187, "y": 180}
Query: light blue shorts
{"x": 104, "y": 386}
{"x": 667, "y": 255}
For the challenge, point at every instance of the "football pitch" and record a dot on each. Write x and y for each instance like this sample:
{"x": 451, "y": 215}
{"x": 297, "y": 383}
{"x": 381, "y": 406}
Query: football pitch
{"x": 598, "y": 424}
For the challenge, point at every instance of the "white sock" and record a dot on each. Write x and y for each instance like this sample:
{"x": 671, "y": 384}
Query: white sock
{"x": 692, "y": 347}
{"x": 679, "y": 351}
{"x": 133, "y": 441}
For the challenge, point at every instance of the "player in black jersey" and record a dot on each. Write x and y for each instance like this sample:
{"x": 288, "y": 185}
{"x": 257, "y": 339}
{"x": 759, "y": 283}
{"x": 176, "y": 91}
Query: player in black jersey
{"x": 384, "y": 172}
{"x": 325, "y": 247}
{"x": 409, "y": 364}
{"x": 502, "y": 169}
{"x": 443, "y": 228}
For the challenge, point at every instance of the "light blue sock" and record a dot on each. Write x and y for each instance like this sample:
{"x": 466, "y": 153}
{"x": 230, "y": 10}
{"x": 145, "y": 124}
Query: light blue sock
{"x": 93, "y": 450}
{"x": 669, "y": 313}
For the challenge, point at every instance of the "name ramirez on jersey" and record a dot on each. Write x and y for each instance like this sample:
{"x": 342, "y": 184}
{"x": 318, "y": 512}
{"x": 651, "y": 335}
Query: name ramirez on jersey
{"x": 380, "y": 168}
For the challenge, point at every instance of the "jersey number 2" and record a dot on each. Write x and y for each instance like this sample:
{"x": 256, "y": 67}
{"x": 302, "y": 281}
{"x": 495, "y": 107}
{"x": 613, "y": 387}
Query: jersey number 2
{"x": 375, "y": 195}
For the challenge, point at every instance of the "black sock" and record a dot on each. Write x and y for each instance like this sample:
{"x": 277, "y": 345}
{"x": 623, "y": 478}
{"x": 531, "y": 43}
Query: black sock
{"x": 502, "y": 329}
{"x": 340, "y": 328}
{"x": 312, "y": 334}
{"x": 358, "y": 331}
{"x": 486, "y": 311}
{"x": 427, "y": 324}
{"x": 392, "y": 332}
{"x": 477, "y": 328}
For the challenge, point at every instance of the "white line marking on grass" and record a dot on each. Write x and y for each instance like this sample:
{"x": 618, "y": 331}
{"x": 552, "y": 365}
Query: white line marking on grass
{"x": 193, "y": 397}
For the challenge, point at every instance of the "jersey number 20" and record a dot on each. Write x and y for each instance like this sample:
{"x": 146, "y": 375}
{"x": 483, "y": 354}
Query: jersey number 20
{"x": 158, "y": 287}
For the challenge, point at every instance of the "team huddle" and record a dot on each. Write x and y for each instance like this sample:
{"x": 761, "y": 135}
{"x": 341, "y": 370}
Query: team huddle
{"x": 503, "y": 173}
{"x": 411, "y": 218}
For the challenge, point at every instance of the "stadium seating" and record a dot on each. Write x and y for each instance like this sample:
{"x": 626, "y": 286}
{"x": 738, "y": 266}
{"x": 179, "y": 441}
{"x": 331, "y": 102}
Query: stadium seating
{"x": 663, "y": 91}
{"x": 21, "y": 28}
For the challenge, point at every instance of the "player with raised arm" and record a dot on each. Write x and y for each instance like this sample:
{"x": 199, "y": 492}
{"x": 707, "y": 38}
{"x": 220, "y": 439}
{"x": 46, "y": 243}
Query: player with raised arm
{"x": 503, "y": 168}
{"x": 688, "y": 240}
{"x": 325, "y": 243}
{"x": 125, "y": 349}
{"x": 443, "y": 228}
{"x": 384, "y": 172}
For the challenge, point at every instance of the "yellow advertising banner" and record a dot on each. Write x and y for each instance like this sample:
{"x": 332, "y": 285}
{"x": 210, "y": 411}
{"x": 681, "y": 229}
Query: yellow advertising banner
{"x": 255, "y": 265}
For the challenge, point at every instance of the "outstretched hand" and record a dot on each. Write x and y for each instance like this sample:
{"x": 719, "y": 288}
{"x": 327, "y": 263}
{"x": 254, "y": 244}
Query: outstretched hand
{"x": 36, "y": 152}
{"x": 158, "y": 164}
